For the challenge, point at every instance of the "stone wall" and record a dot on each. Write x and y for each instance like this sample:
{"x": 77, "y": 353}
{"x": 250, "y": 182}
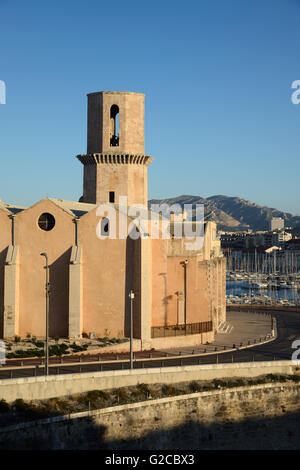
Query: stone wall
{"x": 253, "y": 417}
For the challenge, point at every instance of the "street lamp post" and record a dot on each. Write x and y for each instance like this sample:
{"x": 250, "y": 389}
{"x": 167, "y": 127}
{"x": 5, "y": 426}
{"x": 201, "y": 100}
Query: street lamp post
{"x": 131, "y": 296}
{"x": 47, "y": 315}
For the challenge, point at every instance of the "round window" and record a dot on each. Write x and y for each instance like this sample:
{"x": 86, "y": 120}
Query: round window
{"x": 46, "y": 221}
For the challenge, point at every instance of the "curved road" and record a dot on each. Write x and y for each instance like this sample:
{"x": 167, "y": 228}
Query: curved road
{"x": 288, "y": 329}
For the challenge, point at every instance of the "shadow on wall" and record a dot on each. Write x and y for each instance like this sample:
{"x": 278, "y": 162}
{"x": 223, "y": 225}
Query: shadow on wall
{"x": 59, "y": 295}
{"x": 280, "y": 432}
{"x": 3, "y": 255}
{"x": 133, "y": 281}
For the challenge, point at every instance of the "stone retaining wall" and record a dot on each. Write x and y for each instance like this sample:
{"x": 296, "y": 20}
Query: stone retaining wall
{"x": 243, "y": 417}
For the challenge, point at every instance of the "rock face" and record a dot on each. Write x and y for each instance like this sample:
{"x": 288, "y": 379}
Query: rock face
{"x": 234, "y": 213}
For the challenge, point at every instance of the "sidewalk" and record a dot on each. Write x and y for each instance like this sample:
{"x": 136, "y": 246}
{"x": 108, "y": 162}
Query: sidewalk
{"x": 242, "y": 328}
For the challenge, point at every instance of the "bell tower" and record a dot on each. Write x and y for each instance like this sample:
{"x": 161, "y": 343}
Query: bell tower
{"x": 115, "y": 164}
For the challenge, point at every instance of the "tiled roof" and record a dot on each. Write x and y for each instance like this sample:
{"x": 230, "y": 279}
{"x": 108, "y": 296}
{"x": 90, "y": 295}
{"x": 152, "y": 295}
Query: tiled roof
{"x": 12, "y": 208}
{"x": 77, "y": 209}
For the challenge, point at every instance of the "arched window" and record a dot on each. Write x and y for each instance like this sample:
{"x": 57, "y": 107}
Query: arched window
{"x": 114, "y": 122}
{"x": 105, "y": 227}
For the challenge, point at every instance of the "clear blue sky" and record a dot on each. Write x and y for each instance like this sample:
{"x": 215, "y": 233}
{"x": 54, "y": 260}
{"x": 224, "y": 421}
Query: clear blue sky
{"x": 217, "y": 77}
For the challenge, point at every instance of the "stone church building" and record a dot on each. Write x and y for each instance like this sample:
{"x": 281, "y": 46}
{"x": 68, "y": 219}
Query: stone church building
{"x": 179, "y": 293}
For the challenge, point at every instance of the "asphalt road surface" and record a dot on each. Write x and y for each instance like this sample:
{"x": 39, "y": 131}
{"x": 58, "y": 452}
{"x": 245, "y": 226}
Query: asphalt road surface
{"x": 288, "y": 330}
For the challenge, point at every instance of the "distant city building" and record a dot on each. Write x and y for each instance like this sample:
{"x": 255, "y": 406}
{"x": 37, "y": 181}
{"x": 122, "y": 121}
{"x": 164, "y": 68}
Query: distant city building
{"x": 276, "y": 223}
{"x": 244, "y": 240}
{"x": 281, "y": 237}
{"x": 264, "y": 252}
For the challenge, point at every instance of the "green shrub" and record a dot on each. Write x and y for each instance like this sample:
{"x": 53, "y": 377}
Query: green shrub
{"x": 58, "y": 349}
{"x": 276, "y": 377}
{"x": 136, "y": 394}
{"x": 20, "y": 353}
{"x": 103, "y": 395}
{"x": 295, "y": 378}
{"x": 260, "y": 380}
{"x": 194, "y": 387}
{"x": 141, "y": 391}
{"x": 93, "y": 395}
{"x": 17, "y": 339}
{"x": 218, "y": 383}
{"x": 78, "y": 348}
{"x": 238, "y": 382}
{"x": 121, "y": 395}
{"x": 283, "y": 378}
{"x": 4, "y": 406}
{"x": 144, "y": 388}
{"x": 38, "y": 412}
{"x": 54, "y": 350}
{"x": 169, "y": 390}
{"x": 51, "y": 404}
{"x": 63, "y": 406}
{"x": 20, "y": 405}
{"x": 155, "y": 393}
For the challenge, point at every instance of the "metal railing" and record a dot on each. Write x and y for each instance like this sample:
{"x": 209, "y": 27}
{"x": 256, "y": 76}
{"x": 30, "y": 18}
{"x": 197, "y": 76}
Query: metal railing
{"x": 181, "y": 330}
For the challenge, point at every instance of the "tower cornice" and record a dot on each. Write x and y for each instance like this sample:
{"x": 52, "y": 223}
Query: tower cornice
{"x": 113, "y": 158}
{"x": 116, "y": 93}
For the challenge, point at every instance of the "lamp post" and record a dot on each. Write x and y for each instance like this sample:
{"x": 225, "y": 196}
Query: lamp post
{"x": 47, "y": 315}
{"x": 131, "y": 296}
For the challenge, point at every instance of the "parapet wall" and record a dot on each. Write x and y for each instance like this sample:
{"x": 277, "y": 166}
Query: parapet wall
{"x": 34, "y": 388}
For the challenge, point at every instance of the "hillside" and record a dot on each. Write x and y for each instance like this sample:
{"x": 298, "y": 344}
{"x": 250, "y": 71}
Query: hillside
{"x": 234, "y": 213}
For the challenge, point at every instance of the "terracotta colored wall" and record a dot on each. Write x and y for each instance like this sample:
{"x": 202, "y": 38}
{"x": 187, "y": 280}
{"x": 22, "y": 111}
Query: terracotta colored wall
{"x": 107, "y": 279}
{"x": 5, "y": 240}
{"x": 198, "y": 305}
{"x": 168, "y": 280}
{"x": 57, "y": 243}
{"x": 159, "y": 282}
{"x": 110, "y": 268}
{"x": 205, "y": 281}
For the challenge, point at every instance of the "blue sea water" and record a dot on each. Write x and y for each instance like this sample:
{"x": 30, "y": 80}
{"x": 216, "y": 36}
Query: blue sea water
{"x": 241, "y": 287}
